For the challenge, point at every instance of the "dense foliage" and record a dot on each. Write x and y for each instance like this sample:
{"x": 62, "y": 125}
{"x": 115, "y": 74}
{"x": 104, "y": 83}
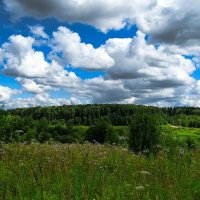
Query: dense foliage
{"x": 86, "y": 114}
{"x": 102, "y": 132}
{"x": 144, "y": 133}
{"x": 117, "y": 114}
{"x": 98, "y": 123}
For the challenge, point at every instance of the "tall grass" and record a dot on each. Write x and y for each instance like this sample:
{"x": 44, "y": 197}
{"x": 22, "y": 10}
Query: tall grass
{"x": 58, "y": 172}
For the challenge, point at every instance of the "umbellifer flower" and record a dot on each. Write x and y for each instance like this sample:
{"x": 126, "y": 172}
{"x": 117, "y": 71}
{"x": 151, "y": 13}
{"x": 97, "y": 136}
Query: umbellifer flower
{"x": 140, "y": 187}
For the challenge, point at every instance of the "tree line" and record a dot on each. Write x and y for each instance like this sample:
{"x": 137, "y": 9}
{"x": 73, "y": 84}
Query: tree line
{"x": 118, "y": 115}
{"x": 65, "y": 123}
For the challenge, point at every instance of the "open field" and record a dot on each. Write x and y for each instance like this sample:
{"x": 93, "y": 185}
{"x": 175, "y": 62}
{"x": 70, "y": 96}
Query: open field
{"x": 182, "y": 133}
{"x": 56, "y": 172}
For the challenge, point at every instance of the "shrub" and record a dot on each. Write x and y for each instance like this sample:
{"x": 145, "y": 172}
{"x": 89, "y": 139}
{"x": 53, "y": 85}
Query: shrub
{"x": 30, "y": 135}
{"x": 62, "y": 133}
{"x": 112, "y": 136}
{"x": 190, "y": 143}
{"x": 101, "y": 132}
{"x": 144, "y": 133}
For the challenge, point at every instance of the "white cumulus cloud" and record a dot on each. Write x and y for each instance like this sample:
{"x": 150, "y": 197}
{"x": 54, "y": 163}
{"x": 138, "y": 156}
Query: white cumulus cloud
{"x": 135, "y": 70}
{"x": 38, "y": 31}
{"x": 103, "y": 14}
{"x": 78, "y": 54}
{"x": 6, "y": 93}
{"x": 21, "y": 60}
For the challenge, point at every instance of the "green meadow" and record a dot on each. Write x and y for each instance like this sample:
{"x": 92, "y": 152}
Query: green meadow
{"x": 94, "y": 171}
{"x": 182, "y": 133}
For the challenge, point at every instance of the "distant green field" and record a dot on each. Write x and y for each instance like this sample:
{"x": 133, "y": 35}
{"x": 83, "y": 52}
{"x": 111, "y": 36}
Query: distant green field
{"x": 81, "y": 129}
{"x": 182, "y": 132}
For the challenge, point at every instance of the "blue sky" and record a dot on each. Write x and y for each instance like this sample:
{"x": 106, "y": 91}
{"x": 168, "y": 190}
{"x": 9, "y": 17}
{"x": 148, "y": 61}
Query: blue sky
{"x": 126, "y": 53}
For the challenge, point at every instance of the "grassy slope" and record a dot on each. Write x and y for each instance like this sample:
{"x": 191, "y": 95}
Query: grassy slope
{"x": 57, "y": 172}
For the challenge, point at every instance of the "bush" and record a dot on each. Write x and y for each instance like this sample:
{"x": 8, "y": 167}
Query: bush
{"x": 62, "y": 133}
{"x": 112, "y": 136}
{"x": 101, "y": 132}
{"x": 30, "y": 135}
{"x": 190, "y": 143}
{"x": 144, "y": 133}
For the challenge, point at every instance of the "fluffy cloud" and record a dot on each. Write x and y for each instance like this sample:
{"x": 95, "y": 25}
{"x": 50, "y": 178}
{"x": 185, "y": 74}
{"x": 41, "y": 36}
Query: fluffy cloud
{"x": 173, "y": 22}
{"x": 35, "y": 74}
{"x": 148, "y": 74}
{"x": 6, "y": 93}
{"x": 190, "y": 96}
{"x": 21, "y": 60}
{"x": 31, "y": 86}
{"x": 78, "y": 54}
{"x": 103, "y": 14}
{"x": 40, "y": 100}
{"x": 169, "y": 21}
{"x": 135, "y": 58}
{"x": 99, "y": 90}
{"x": 38, "y": 31}
{"x": 135, "y": 71}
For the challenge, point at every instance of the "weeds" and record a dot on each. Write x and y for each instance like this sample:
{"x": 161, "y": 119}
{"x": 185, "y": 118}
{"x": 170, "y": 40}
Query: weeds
{"x": 88, "y": 171}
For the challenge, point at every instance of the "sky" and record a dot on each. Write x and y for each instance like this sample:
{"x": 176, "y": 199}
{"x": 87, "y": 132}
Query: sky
{"x": 58, "y": 52}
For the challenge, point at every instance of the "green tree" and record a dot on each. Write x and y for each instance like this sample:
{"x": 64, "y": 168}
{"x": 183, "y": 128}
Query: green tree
{"x": 99, "y": 132}
{"x": 30, "y": 135}
{"x": 144, "y": 133}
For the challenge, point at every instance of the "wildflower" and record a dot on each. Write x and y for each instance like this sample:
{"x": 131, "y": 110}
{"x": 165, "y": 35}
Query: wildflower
{"x": 181, "y": 151}
{"x": 159, "y": 146}
{"x": 146, "y": 151}
{"x": 122, "y": 138}
{"x": 140, "y": 187}
{"x": 145, "y": 173}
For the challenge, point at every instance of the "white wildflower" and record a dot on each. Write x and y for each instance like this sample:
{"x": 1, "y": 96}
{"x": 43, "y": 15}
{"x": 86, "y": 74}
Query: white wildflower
{"x": 145, "y": 173}
{"x": 140, "y": 187}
